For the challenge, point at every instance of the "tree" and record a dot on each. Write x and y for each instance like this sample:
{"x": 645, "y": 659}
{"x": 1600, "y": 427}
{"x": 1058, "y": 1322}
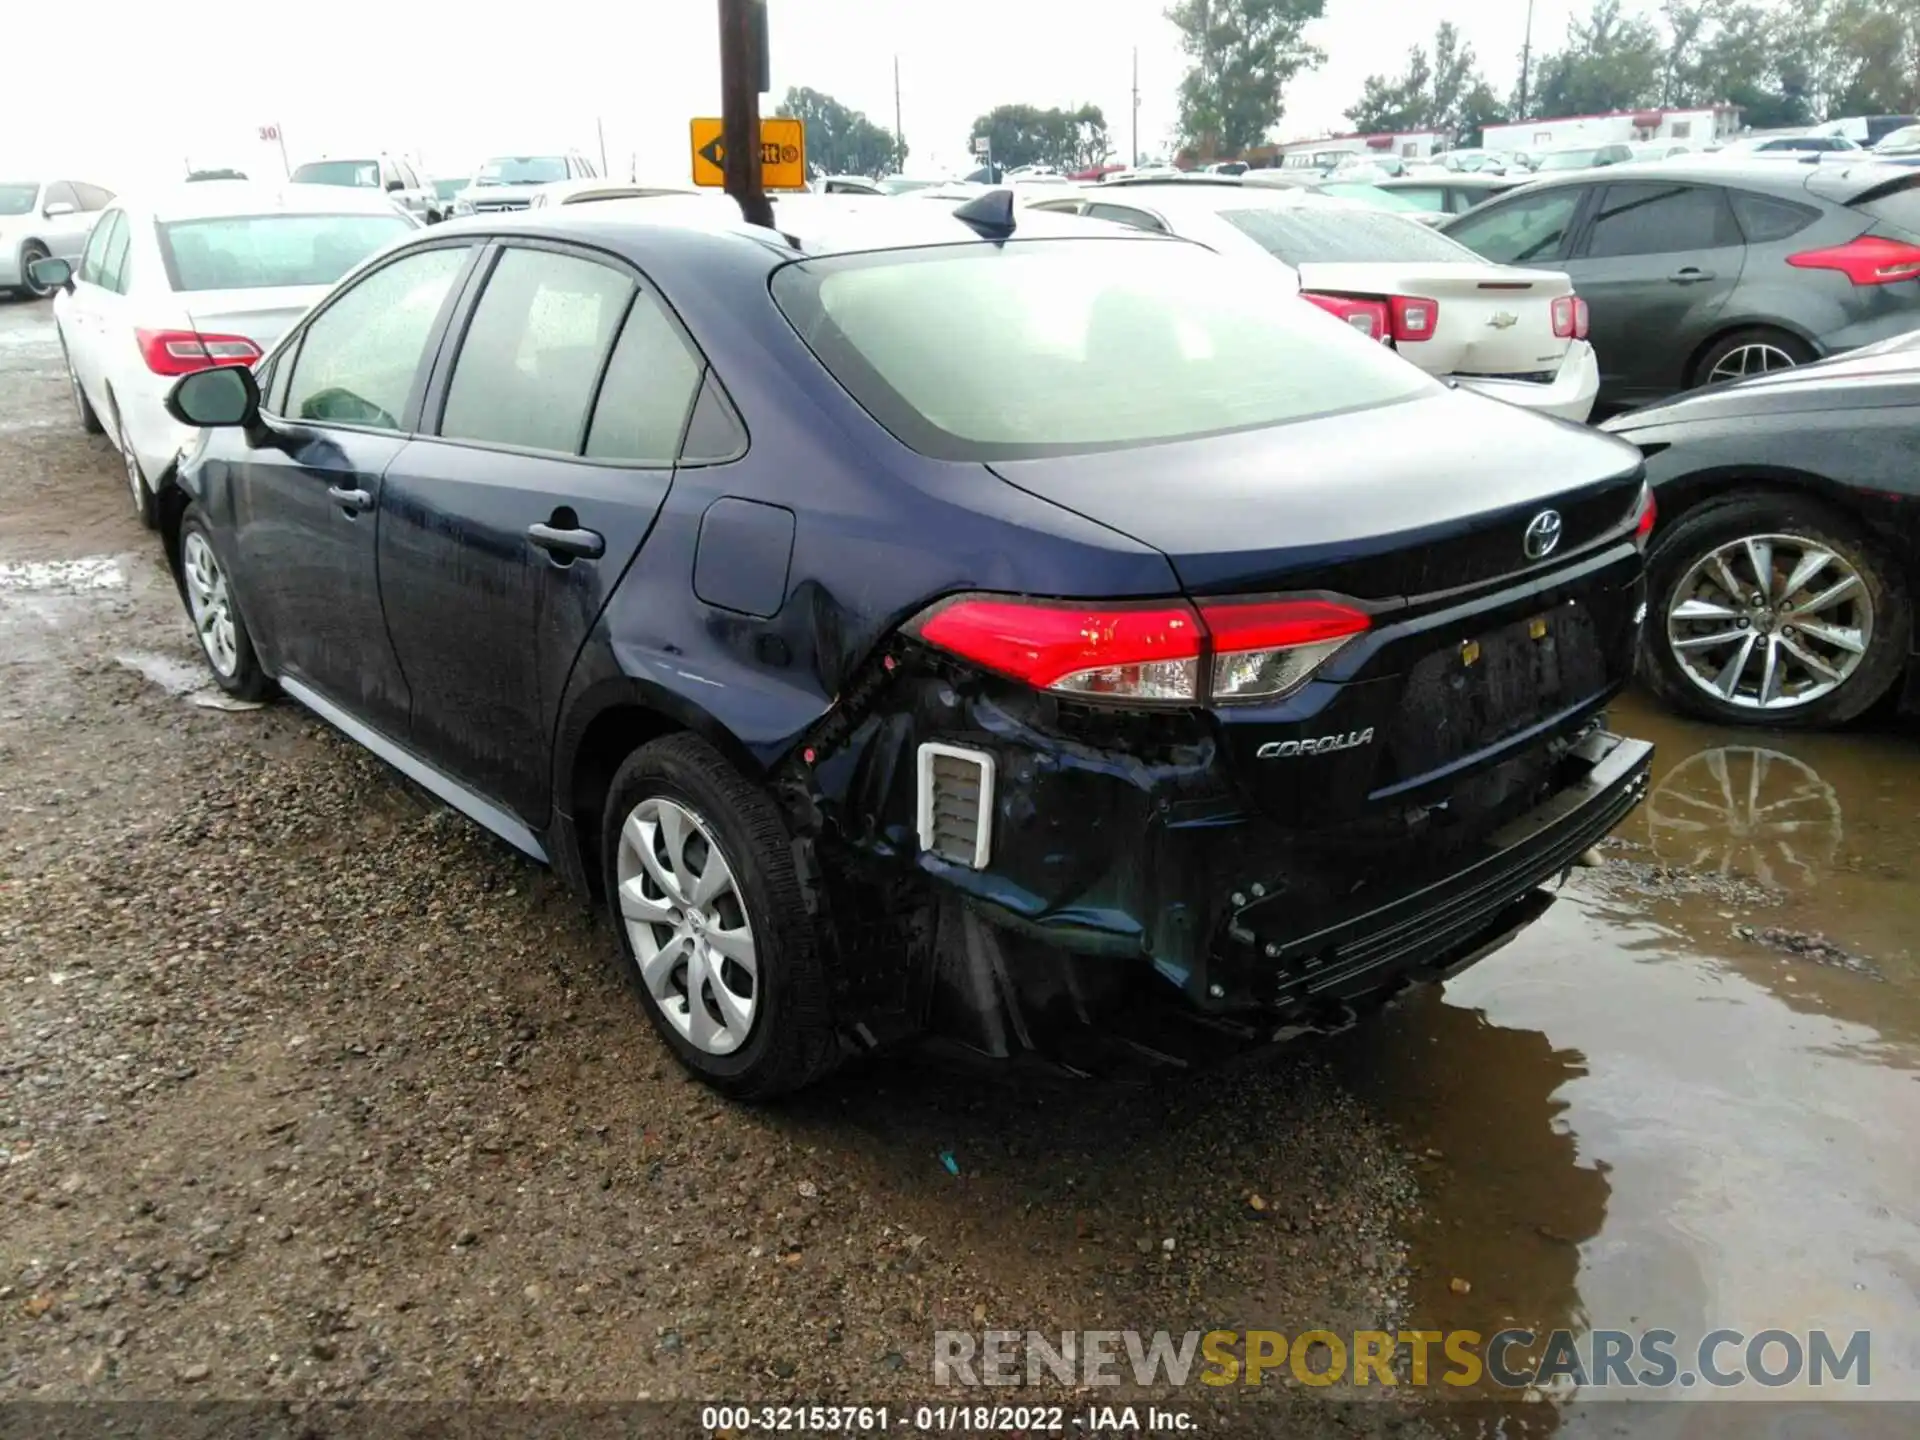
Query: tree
{"x": 1028, "y": 135}
{"x": 1245, "y": 52}
{"x": 1609, "y": 62}
{"x": 1754, "y": 56}
{"x": 1861, "y": 57}
{"x": 1444, "y": 92}
{"x": 841, "y": 141}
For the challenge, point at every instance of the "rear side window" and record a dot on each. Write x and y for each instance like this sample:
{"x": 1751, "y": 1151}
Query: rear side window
{"x": 1523, "y": 230}
{"x": 93, "y": 262}
{"x": 1061, "y": 346}
{"x": 1660, "y": 220}
{"x": 1764, "y": 218}
{"x": 1303, "y": 234}
{"x": 113, "y": 260}
{"x": 534, "y": 352}
{"x": 649, "y": 388}
{"x": 248, "y": 252}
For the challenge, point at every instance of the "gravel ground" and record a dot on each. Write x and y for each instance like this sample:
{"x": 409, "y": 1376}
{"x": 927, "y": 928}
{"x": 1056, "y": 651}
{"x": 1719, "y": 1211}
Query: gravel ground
{"x": 311, "y": 1090}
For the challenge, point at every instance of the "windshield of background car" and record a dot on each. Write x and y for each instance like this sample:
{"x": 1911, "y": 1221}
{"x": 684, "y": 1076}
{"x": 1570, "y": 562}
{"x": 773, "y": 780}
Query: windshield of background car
{"x": 17, "y": 199}
{"x": 1301, "y": 235}
{"x": 1567, "y": 159}
{"x": 447, "y": 189}
{"x": 1907, "y": 139}
{"x": 1044, "y": 347}
{"x": 522, "y": 170}
{"x": 248, "y": 252}
{"x": 365, "y": 174}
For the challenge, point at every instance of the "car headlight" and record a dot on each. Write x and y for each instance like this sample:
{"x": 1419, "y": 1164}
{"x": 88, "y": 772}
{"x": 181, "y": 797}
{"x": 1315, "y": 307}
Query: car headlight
{"x": 463, "y": 206}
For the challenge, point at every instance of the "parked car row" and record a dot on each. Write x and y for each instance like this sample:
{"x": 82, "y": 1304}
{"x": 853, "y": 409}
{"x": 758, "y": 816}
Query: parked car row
{"x": 42, "y": 218}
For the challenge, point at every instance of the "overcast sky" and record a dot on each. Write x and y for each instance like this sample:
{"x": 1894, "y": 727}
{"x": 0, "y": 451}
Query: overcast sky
{"x": 146, "y": 89}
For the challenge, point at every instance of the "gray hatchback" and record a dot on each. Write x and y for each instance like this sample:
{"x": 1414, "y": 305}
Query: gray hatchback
{"x": 1708, "y": 270}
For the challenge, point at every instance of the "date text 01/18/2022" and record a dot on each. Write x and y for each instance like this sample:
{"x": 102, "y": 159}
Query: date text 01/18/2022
{"x": 937, "y": 1419}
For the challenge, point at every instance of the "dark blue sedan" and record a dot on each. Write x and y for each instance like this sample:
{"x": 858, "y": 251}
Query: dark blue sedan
{"x": 1046, "y": 638}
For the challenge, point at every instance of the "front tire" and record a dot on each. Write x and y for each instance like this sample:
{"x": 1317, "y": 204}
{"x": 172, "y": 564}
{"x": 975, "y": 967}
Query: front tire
{"x": 714, "y": 932}
{"x": 83, "y": 407}
{"x": 1772, "y": 610}
{"x": 215, "y": 613}
{"x": 33, "y": 250}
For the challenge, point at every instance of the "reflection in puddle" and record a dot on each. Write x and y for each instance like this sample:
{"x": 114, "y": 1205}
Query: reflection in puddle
{"x": 1747, "y": 811}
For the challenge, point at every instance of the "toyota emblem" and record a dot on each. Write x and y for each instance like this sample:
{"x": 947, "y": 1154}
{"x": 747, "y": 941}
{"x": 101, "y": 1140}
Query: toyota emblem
{"x": 1543, "y": 535}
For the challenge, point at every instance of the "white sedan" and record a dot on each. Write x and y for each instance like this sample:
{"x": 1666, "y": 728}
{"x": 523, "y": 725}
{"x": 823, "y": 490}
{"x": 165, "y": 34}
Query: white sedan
{"x": 1516, "y": 335}
{"x": 206, "y": 274}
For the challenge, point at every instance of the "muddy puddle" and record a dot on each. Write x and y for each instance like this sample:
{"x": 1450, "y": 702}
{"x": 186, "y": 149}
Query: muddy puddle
{"x": 1687, "y": 1099}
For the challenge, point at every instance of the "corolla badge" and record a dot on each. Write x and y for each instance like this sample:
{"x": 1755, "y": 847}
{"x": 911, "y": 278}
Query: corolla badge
{"x": 1323, "y": 745}
{"x": 1542, "y": 536}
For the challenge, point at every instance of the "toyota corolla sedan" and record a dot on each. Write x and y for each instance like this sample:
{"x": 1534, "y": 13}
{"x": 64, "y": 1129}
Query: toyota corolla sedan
{"x": 1146, "y": 657}
{"x": 201, "y": 275}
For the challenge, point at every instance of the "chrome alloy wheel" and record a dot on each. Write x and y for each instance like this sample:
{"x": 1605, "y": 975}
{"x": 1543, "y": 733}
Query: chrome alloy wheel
{"x": 687, "y": 922}
{"x": 211, "y": 605}
{"x": 79, "y": 394}
{"x": 1770, "y": 622}
{"x": 1755, "y": 359}
{"x": 136, "y": 482}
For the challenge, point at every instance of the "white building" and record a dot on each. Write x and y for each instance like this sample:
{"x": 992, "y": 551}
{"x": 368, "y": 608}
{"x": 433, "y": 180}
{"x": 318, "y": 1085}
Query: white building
{"x": 1698, "y": 128}
{"x": 1407, "y": 145}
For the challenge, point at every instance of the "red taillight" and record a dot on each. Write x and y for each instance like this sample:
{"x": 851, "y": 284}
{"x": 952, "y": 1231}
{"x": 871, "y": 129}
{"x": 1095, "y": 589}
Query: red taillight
{"x": 1259, "y": 649}
{"x": 1369, "y": 317}
{"x": 1569, "y": 318}
{"x": 1414, "y": 319}
{"x": 181, "y": 352}
{"x": 1645, "y": 512}
{"x": 1870, "y": 260}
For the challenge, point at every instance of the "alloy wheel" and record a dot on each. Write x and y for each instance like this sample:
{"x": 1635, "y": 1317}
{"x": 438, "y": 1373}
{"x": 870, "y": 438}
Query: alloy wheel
{"x": 79, "y": 394}
{"x": 211, "y": 605}
{"x": 687, "y": 922}
{"x": 1757, "y": 358}
{"x": 136, "y": 482}
{"x": 1770, "y": 622}
{"x": 32, "y": 286}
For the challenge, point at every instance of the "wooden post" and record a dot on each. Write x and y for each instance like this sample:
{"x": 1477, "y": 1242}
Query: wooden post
{"x": 741, "y": 69}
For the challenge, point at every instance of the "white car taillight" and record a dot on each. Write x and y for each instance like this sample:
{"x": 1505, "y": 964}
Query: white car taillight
{"x": 1569, "y": 317}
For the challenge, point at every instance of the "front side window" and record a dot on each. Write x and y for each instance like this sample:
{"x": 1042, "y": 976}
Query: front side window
{"x": 92, "y": 197}
{"x": 1062, "y": 346}
{"x": 359, "y": 174}
{"x": 1520, "y": 231}
{"x": 649, "y": 388}
{"x": 1303, "y": 234}
{"x": 360, "y": 356}
{"x": 534, "y": 352}
{"x": 248, "y": 252}
{"x": 1660, "y": 219}
{"x": 59, "y": 192}
{"x": 522, "y": 170}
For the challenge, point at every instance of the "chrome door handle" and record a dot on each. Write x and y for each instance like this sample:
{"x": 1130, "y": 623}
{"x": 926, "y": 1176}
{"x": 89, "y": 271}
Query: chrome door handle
{"x": 352, "y": 501}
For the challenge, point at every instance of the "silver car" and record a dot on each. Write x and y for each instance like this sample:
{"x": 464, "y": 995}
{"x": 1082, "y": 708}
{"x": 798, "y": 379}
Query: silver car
{"x": 393, "y": 174}
{"x": 41, "y": 219}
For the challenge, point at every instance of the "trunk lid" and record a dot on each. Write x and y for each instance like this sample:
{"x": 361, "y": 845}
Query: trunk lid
{"x": 1494, "y": 319}
{"x": 262, "y": 315}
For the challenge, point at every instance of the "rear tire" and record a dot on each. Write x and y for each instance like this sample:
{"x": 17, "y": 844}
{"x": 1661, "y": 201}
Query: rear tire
{"x": 83, "y": 407}
{"x": 145, "y": 507}
{"x": 1839, "y": 682}
{"x": 215, "y": 614}
{"x": 1756, "y": 351}
{"x": 675, "y": 811}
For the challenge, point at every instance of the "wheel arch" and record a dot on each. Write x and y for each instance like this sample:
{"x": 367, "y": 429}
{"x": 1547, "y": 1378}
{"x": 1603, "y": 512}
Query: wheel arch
{"x": 1724, "y": 329}
{"x": 1680, "y": 495}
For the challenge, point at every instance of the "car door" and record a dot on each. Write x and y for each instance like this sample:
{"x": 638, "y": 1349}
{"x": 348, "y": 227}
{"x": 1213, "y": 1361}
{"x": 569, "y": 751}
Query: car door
{"x": 1656, "y": 261}
{"x": 105, "y": 334}
{"x": 80, "y": 315}
{"x": 502, "y": 536}
{"x": 306, "y": 501}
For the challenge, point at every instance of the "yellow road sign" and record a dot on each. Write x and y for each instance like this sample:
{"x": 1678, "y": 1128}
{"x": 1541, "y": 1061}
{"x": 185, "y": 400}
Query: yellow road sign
{"x": 783, "y": 153}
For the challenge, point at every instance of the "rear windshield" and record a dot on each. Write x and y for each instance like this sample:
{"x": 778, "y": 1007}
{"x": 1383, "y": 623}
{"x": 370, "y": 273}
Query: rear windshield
{"x": 1371, "y": 194}
{"x": 1045, "y": 347}
{"x": 522, "y": 170}
{"x": 362, "y": 173}
{"x": 248, "y": 252}
{"x": 1302, "y": 235}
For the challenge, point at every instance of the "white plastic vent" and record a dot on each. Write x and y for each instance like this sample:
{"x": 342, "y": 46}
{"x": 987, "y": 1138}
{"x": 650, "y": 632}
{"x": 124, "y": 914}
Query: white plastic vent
{"x": 956, "y": 804}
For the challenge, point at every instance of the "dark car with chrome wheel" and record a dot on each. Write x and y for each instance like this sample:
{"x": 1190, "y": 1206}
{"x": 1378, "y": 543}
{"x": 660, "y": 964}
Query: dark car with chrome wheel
{"x": 1783, "y": 566}
{"x": 905, "y": 623}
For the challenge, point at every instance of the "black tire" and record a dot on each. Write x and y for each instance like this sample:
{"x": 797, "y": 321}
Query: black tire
{"x": 89, "y": 417}
{"x": 1699, "y": 532}
{"x": 146, "y": 507}
{"x": 790, "y": 1041}
{"x": 245, "y": 680}
{"x": 33, "y": 250}
{"x": 1796, "y": 351}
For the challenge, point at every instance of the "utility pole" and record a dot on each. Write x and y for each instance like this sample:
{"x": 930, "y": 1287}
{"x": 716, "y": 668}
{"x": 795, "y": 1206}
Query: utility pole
{"x": 1133, "y": 156}
{"x": 743, "y": 77}
{"x": 600, "y": 129}
{"x": 1526, "y": 62}
{"x": 899, "y": 136}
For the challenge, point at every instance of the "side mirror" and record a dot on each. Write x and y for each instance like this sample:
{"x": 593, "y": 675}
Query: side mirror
{"x": 395, "y": 184}
{"x": 226, "y": 395}
{"x": 56, "y": 208}
{"x": 50, "y": 272}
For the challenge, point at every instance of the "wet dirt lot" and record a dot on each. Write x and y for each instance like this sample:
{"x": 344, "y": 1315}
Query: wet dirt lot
{"x": 309, "y": 1089}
